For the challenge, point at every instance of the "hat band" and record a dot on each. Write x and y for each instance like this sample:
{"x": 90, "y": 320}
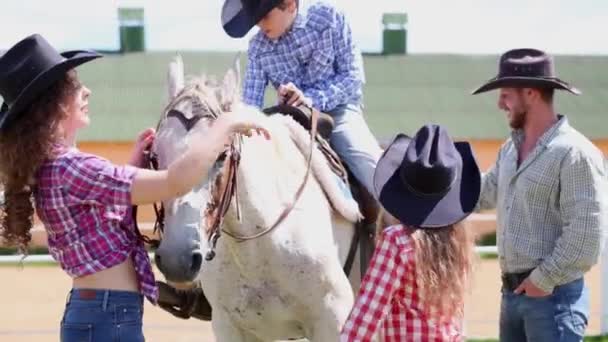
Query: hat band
{"x": 428, "y": 194}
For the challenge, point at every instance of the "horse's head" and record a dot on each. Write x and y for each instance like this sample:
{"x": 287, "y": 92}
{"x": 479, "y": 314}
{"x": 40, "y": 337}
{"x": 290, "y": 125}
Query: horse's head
{"x": 192, "y": 108}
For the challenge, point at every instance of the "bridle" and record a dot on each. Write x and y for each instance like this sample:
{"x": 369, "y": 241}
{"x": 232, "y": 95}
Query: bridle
{"x": 230, "y": 190}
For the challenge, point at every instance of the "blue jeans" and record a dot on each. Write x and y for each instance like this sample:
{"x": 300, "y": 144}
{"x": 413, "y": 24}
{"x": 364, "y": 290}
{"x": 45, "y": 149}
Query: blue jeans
{"x": 559, "y": 317}
{"x": 102, "y": 315}
{"x": 355, "y": 144}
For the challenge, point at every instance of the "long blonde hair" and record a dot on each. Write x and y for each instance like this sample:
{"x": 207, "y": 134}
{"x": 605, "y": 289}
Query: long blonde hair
{"x": 444, "y": 261}
{"x": 443, "y": 266}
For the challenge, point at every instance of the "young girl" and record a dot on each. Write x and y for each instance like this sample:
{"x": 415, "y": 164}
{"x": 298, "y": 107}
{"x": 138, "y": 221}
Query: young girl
{"x": 415, "y": 285}
{"x": 83, "y": 200}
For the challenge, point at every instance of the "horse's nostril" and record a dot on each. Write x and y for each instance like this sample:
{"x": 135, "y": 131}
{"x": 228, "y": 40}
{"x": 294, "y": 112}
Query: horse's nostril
{"x": 197, "y": 260}
{"x": 157, "y": 260}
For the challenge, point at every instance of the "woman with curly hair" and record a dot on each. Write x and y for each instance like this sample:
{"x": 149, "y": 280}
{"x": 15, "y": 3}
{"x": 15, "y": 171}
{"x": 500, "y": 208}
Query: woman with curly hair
{"x": 415, "y": 285}
{"x": 85, "y": 201}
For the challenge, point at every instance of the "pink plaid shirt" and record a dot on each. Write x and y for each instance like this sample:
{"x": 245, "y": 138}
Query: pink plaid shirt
{"x": 84, "y": 202}
{"x": 388, "y": 298}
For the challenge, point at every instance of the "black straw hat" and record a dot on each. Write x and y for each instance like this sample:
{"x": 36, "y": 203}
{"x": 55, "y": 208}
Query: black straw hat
{"x": 428, "y": 181}
{"x": 28, "y": 69}
{"x": 526, "y": 68}
{"x": 239, "y": 16}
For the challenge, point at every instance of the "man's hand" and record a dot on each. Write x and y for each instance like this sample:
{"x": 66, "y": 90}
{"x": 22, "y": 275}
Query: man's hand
{"x": 530, "y": 289}
{"x": 292, "y": 95}
{"x": 144, "y": 139}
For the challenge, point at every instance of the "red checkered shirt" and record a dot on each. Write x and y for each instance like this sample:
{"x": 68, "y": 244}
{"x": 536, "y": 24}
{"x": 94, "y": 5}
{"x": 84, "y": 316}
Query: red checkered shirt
{"x": 388, "y": 298}
{"x": 85, "y": 204}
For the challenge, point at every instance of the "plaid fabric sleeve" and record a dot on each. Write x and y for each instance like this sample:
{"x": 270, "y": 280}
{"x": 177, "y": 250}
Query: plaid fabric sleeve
{"x": 373, "y": 302}
{"x": 95, "y": 180}
{"x": 583, "y": 205}
{"x": 349, "y": 77}
{"x": 256, "y": 79}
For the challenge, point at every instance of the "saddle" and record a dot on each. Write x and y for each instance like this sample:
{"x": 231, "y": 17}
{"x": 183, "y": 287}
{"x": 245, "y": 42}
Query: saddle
{"x": 325, "y": 126}
{"x": 366, "y": 228}
{"x": 302, "y": 115}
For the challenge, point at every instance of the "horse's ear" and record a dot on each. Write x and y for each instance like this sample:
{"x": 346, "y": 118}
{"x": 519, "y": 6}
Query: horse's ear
{"x": 175, "y": 77}
{"x": 237, "y": 69}
{"x": 229, "y": 92}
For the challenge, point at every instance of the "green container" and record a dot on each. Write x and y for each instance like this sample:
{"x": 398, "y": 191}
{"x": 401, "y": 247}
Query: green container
{"x": 132, "y": 39}
{"x": 394, "y": 35}
{"x": 394, "y": 42}
{"x": 132, "y": 33}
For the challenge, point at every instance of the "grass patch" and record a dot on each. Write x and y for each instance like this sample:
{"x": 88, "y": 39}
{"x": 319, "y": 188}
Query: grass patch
{"x": 30, "y": 265}
{"x": 31, "y": 251}
{"x": 488, "y": 256}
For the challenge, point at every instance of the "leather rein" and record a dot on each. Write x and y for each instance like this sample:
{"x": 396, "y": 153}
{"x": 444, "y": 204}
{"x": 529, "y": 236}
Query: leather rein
{"x": 230, "y": 190}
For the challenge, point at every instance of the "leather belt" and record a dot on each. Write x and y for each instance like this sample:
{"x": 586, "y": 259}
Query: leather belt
{"x": 510, "y": 281}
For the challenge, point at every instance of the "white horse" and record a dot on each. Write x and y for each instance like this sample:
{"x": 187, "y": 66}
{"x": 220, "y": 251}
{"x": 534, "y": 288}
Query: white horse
{"x": 288, "y": 282}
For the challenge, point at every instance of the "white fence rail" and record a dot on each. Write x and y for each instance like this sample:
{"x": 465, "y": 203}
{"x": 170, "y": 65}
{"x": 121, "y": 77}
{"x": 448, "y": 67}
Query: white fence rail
{"x": 46, "y": 258}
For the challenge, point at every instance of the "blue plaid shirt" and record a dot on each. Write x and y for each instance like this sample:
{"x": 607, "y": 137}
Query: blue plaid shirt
{"x": 317, "y": 54}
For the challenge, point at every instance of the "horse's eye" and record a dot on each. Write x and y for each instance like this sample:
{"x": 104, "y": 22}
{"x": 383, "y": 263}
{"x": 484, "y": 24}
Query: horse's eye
{"x": 222, "y": 157}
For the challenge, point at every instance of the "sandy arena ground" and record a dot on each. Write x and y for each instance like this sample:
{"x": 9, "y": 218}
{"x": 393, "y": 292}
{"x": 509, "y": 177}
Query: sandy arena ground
{"x": 33, "y": 298}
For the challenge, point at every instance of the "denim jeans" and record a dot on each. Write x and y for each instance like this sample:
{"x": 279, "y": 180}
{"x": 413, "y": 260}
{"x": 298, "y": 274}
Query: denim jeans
{"x": 355, "y": 144}
{"x": 559, "y": 317}
{"x": 102, "y": 315}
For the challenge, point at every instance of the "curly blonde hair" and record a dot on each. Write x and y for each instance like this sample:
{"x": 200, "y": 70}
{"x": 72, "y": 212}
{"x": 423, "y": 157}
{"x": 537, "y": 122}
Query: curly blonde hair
{"x": 24, "y": 146}
{"x": 444, "y": 260}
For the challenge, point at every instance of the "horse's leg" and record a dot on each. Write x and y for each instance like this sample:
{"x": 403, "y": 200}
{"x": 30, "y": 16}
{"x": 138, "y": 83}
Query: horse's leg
{"x": 332, "y": 310}
{"x": 224, "y": 329}
{"x": 329, "y": 320}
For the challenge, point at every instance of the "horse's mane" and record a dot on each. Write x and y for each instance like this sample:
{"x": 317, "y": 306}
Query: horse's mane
{"x": 210, "y": 98}
{"x": 205, "y": 95}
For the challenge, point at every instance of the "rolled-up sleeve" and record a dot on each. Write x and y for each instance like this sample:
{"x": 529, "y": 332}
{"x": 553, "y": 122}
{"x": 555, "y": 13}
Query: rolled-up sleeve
{"x": 95, "y": 180}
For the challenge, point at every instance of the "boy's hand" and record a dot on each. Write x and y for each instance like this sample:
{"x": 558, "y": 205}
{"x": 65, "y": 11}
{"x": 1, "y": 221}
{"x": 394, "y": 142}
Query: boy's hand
{"x": 292, "y": 95}
{"x": 144, "y": 140}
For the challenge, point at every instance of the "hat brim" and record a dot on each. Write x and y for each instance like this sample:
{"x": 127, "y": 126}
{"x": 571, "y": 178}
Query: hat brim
{"x": 43, "y": 82}
{"x": 522, "y": 82}
{"x": 423, "y": 210}
{"x": 237, "y": 21}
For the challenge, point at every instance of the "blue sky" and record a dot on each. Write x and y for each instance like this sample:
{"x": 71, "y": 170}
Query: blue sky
{"x": 435, "y": 26}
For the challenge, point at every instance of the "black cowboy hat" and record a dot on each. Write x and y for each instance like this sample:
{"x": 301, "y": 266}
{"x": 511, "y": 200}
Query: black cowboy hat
{"x": 239, "y": 16}
{"x": 28, "y": 69}
{"x": 526, "y": 68}
{"x": 428, "y": 181}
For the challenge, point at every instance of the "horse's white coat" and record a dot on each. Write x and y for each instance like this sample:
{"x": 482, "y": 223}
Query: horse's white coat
{"x": 286, "y": 284}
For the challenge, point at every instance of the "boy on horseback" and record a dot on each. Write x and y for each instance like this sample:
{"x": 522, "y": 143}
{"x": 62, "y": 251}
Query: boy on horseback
{"x": 310, "y": 58}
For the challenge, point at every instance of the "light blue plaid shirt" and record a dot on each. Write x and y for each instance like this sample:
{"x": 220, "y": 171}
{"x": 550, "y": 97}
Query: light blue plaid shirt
{"x": 552, "y": 210}
{"x": 317, "y": 54}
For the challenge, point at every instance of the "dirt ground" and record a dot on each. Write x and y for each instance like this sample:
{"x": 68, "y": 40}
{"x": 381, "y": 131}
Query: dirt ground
{"x": 33, "y": 297}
